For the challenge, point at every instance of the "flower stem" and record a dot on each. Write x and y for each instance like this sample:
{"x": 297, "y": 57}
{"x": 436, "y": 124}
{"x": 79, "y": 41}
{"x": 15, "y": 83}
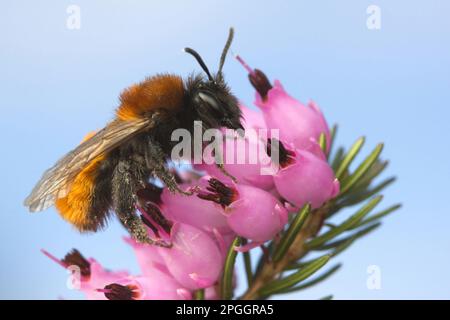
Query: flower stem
{"x": 297, "y": 250}
{"x": 248, "y": 265}
{"x": 227, "y": 278}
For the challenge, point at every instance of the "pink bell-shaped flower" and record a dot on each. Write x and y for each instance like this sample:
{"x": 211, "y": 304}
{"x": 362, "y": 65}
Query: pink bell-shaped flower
{"x": 155, "y": 286}
{"x": 252, "y": 119}
{"x": 244, "y": 158}
{"x": 304, "y": 178}
{"x": 147, "y": 256}
{"x": 299, "y": 126}
{"x": 193, "y": 210}
{"x": 251, "y": 212}
{"x": 87, "y": 274}
{"x": 194, "y": 259}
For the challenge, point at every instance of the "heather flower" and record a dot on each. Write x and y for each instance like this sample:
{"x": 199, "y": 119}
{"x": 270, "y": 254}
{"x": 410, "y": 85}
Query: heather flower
{"x": 252, "y": 119}
{"x": 195, "y": 233}
{"x": 299, "y": 126}
{"x": 92, "y": 274}
{"x": 169, "y": 207}
{"x": 251, "y": 212}
{"x": 192, "y": 210}
{"x": 194, "y": 259}
{"x": 148, "y": 257}
{"x": 304, "y": 178}
{"x": 155, "y": 286}
{"x": 245, "y": 159}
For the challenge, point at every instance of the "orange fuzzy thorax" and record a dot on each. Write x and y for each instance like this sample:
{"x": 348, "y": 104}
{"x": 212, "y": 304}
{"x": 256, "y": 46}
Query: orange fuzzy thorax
{"x": 157, "y": 92}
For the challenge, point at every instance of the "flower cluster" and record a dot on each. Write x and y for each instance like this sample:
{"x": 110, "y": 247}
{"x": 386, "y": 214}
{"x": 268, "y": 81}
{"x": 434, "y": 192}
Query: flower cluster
{"x": 195, "y": 232}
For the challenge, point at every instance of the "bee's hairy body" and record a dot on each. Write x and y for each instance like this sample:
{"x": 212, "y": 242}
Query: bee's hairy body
{"x": 112, "y": 180}
{"x": 106, "y": 171}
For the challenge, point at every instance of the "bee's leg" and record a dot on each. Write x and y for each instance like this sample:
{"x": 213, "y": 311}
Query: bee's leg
{"x": 156, "y": 163}
{"x": 218, "y": 155}
{"x": 225, "y": 172}
{"x": 125, "y": 182}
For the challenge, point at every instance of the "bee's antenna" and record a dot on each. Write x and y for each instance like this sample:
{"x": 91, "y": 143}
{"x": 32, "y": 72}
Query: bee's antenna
{"x": 225, "y": 50}
{"x": 200, "y": 61}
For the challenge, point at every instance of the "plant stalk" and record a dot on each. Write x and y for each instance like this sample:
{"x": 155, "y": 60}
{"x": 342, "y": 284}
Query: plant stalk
{"x": 298, "y": 249}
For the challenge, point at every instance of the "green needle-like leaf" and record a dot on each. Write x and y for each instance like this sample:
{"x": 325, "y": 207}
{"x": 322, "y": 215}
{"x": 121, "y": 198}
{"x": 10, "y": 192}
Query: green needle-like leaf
{"x": 347, "y": 224}
{"x": 315, "y": 281}
{"x": 377, "y": 216}
{"x": 355, "y": 198}
{"x": 348, "y": 242}
{"x": 248, "y": 265}
{"x": 352, "y": 237}
{"x": 333, "y": 134}
{"x": 362, "y": 169}
{"x": 248, "y": 268}
{"x": 354, "y": 150}
{"x": 227, "y": 278}
{"x": 264, "y": 257}
{"x": 295, "y": 265}
{"x": 344, "y": 246}
{"x": 323, "y": 142}
{"x": 291, "y": 233}
{"x": 371, "y": 174}
{"x": 339, "y": 246}
{"x": 329, "y": 225}
{"x": 328, "y": 297}
{"x": 337, "y": 159}
{"x": 304, "y": 273}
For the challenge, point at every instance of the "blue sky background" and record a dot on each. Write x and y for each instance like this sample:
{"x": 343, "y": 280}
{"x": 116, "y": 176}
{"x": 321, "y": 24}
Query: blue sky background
{"x": 392, "y": 85}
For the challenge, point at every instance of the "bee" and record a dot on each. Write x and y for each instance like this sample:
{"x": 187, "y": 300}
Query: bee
{"x": 105, "y": 172}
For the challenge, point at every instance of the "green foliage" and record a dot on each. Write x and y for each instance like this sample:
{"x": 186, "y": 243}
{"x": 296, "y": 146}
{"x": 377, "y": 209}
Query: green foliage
{"x": 291, "y": 233}
{"x": 358, "y": 188}
{"x": 278, "y": 286}
{"x": 227, "y": 278}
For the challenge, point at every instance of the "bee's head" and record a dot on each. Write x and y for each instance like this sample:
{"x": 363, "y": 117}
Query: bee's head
{"x": 213, "y": 102}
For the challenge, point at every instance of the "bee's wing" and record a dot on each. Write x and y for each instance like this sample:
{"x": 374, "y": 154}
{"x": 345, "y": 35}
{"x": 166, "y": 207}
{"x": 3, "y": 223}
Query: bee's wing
{"x": 56, "y": 181}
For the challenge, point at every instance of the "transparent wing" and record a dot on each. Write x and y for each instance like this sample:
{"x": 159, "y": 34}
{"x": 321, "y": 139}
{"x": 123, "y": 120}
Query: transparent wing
{"x": 56, "y": 181}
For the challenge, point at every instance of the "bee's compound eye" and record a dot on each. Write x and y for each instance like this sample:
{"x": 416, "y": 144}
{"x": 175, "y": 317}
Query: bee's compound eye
{"x": 205, "y": 97}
